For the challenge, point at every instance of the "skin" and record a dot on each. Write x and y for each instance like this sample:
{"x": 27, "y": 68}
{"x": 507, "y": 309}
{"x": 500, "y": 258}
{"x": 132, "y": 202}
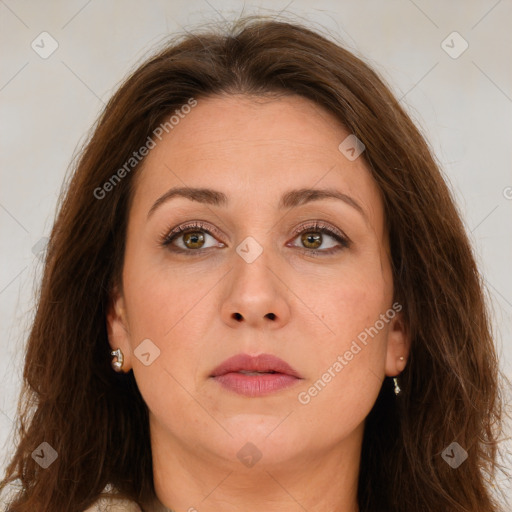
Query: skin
{"x": 254, "y": 150}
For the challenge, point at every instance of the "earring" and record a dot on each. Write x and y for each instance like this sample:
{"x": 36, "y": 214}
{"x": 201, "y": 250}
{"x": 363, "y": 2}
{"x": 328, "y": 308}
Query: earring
{"x": 397, "y": 387}
{"x": 117, "y": 365}
{"x": 395, "y": 380}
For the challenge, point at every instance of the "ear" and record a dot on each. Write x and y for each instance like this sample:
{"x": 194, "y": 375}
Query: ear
{"x": 117, "y": 327}
{"x": 399, "y": 345}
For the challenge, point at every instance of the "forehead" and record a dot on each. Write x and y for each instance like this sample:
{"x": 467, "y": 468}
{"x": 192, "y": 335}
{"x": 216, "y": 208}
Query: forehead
{"x": 257, "y": 148}
{"x": 290, "y": 126}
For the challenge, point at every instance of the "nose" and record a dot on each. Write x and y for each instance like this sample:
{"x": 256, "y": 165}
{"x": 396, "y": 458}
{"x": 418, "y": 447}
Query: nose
{"x": 255, "y": 295}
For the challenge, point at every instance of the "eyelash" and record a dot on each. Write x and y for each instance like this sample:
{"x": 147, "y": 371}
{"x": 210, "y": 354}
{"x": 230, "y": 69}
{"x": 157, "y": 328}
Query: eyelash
{"x": 167, "y": 237}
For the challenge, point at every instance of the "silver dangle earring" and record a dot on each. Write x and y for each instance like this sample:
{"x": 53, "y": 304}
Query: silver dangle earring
{"x": 395, "y": 380}
{"x": 397, "y": 387}
{"x": 117, "y": 365}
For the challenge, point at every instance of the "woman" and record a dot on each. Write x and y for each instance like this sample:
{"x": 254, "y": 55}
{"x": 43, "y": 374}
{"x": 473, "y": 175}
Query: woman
{"x": 260, "y": 243}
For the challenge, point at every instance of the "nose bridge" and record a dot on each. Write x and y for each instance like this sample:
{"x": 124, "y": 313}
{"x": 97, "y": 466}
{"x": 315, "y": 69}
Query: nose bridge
{"x": 255, "y": 295}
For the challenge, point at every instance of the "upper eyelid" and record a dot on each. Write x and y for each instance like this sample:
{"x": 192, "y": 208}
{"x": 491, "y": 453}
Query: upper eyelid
{"x": 189, "y": 226}
{"x": 320, "y": 225}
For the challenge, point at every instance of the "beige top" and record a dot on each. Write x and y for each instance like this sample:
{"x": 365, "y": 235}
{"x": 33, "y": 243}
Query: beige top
{"x": 113, "y": 505}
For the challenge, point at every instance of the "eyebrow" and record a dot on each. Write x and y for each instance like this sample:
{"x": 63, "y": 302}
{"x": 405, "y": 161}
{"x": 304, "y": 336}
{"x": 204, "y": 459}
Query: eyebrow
{"x": 290, "y": 199}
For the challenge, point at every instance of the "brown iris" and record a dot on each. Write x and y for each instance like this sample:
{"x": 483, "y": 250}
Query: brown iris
{"x": 193, "y": 239}
{"x": 311, "y": 240}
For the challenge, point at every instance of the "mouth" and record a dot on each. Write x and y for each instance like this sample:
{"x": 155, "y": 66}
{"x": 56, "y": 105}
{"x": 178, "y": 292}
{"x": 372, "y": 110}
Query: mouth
{"x": 255, "y": 375}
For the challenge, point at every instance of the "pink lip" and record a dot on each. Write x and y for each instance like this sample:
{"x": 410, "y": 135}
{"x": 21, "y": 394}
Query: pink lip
{"x": 229, "y": 375}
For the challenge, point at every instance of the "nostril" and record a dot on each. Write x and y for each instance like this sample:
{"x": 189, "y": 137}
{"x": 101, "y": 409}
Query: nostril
{"x": 237, "y": 316}
{"x": 272, "y": 316}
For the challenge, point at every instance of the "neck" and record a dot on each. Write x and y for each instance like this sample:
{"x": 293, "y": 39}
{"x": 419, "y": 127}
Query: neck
{"x": 194, "y": 480}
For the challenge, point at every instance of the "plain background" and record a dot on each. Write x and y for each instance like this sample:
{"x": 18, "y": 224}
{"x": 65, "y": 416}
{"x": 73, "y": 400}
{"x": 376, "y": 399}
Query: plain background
{"x": 463, "y": 105}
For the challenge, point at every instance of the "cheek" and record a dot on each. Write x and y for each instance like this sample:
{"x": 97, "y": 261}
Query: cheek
{"x": 347, "y": 366}
{"x": 162, "y": 298}
{"x": 352, "y": 299}
{"x": 165, "y": 309}
{"x": 354, "y": 345}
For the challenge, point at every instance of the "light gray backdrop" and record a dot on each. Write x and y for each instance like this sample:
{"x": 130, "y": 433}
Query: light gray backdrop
{"x": 449, "y": 62}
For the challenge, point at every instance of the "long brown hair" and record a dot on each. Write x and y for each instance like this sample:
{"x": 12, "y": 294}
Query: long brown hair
{"x": 97, "y": 421}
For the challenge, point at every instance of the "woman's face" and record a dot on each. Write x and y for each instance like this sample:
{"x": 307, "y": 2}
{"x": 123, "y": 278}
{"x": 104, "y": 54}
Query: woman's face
{"x": 267, "y": 263}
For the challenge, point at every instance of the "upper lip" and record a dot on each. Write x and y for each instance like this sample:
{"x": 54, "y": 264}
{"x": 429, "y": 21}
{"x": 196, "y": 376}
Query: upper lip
{"x": 259, "y": 363}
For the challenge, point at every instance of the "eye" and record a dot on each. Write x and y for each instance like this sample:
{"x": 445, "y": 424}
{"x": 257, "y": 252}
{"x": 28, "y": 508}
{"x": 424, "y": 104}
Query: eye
{"x": 190, "y": 238}
{"x": 319, "y": 238}
{"x": 194, "y": 238}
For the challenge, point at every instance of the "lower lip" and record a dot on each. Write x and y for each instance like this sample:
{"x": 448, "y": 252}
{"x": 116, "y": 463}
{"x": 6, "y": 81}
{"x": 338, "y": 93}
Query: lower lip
{"x": 255, "y": 385}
